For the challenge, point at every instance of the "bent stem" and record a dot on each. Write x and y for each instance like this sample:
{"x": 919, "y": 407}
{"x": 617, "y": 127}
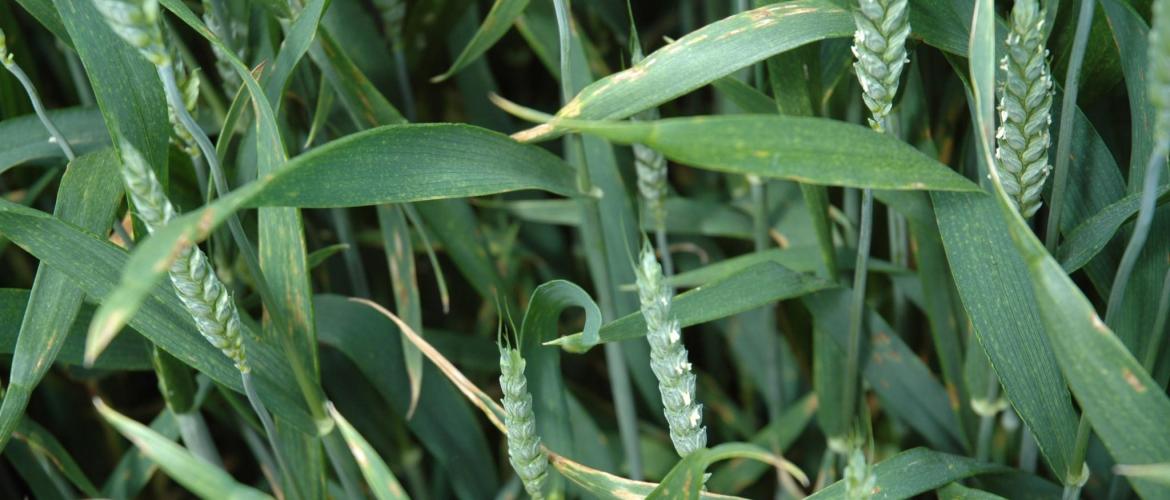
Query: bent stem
{"x": 175, "y": 97}
{"x": 39, "y": 107}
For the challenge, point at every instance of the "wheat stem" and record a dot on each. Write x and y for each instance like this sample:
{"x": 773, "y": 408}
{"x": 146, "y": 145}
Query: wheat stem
{"x": 7, "y": 61}
{"x": 1067, "y": 111}
{"x": 879, "y": 45}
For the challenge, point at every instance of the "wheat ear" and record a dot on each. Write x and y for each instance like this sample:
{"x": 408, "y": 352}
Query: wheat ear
{"x": 1025, "y": 101}
{"x": 524, "y": 451}
{"x": 879, "y": 44}
{"x": 231, "y": 33}
{"x": 668, "y": 358}
{"x": 860, "y": 480}
{"x": 204, "y": 296}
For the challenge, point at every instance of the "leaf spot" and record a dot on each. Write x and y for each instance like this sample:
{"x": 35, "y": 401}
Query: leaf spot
{"x": 1133, "y": 381}
{"x": 1098, "y": 324}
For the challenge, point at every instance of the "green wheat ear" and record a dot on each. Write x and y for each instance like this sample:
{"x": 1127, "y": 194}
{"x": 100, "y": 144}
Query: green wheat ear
{"x": 136, "y": 21}
{"x": 860, "y": 480}
{"x": 188, "y": 82}
{"x": 668, "y": 358}
{"x": 203, "y": 295}
{"x": 879, "y": 44}
{"x": 1025, "y": 100}
{"x": 524, "y": 451}
{"x": 231, "y": 32}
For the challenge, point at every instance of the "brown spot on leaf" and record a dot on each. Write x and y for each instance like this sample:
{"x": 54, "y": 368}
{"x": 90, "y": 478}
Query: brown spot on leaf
{"x": 1133, "y": 381}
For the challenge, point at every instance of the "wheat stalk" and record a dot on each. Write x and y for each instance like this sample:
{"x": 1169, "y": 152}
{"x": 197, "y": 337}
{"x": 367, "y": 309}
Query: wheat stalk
{"x": 9, "y": 63}
{"x": 879, "y": 45}
{"x": 1025, "y": 100}
{"x": 668, "y": 358}
{"x": 524, "y": 451}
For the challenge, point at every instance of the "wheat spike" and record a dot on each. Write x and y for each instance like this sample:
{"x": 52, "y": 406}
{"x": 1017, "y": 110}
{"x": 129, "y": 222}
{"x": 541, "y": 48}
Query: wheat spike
{"x": 879, "y": 44}
{"x": 136, "y": 21}
{"x": 859, "y": 478}
{"x": 204, "y": 296}
{"x": 233, "y": 34}
{"x": 668, "y": 358}
{"x": 1025, "y": 100}
{"x": 524, "y": 451}
{"x": 188, "y": 82}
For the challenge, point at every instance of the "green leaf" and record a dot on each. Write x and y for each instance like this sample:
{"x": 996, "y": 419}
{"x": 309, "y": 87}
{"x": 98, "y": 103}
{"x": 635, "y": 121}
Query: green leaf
{"x": 201, "y": 478}
{"x": 126, "y": 353}
{"x": 605, "y": 486}
{"x": 752, "y": 287}
{"x": 685, "y": 480}
{"x": 544, "y": 363}
{"x": 779, "y": 434}
{"x": 284, "y": 265}
{"x": 494, "y": 26}
{"x": 442, "y": 422}
{"x": 90, "y": 192}
{"x": 802, "y": 149}
{"x": 46, "y": 13}
{"x": 702, "y": 56}
{"x": 1123, "y": 404}
{"x": 956, "y": 491}
{"x": 914, "y": 472}
{"x": 436, "y": 161}
{"x": 134, "y": 470}
{"x": 126, "y": 85}
{"x": 378, "y": 476}
{"x": 993, "y": 284}
{"x": 404, "y": 284}
{"x": 23, "y": 139}
{"x": 427, "y": 162}
{"x": 1131, "y": 36}
{"x": 94, "y": 265}
{"x": 1089, "y": 238}
{"x": 906, "y": 386}
{"x": 42, "y": 479}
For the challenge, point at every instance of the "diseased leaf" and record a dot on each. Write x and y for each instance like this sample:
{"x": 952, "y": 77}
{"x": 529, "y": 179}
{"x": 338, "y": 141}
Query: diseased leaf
{"x": 796, "y": 148}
